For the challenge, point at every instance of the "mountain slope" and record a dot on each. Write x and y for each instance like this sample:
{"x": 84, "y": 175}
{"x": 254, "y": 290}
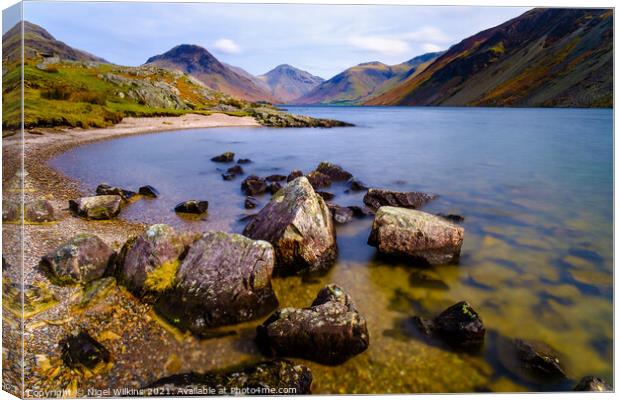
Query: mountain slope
{"x": 359, "y": 83}
{"x": 545, "y": 57}
{"x": 38, "y": 41}
{"x": 199, "y": 63}
{"x": 288, "y": 83}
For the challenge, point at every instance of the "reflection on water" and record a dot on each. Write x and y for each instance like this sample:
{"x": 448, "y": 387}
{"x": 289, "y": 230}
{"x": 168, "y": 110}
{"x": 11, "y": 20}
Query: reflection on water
{"x": 534, "y": 185}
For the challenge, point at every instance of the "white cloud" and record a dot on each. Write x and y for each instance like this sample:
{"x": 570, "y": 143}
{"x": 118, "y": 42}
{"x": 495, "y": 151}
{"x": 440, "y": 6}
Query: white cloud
{"x": 431, "y": 48}
{"x": 379, "y": 44}
{"x": 428, "y": 34}
{"x": 227, "y": 46}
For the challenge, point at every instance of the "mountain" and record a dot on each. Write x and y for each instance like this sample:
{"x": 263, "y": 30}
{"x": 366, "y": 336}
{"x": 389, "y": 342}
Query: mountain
{"x": 202, "y": 65}
{"x": 246, "y": 74}
{"x": 543, "y": 58}
{"x": 39, "y": 42}
{"x": 359, "y": 83}
{"x": 288, "y": 83}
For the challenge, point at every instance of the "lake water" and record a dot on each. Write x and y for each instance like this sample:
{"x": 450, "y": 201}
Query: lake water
{"x": 535, "y": 187}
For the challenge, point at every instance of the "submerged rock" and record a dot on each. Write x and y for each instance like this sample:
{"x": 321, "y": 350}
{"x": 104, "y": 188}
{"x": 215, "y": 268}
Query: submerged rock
{"x": 224, "y": 279}
{"x": 416, "y": 234}
{"x": 319, "y": 180}
{"x": 236, "y": 170}
{"x": 253, "y": 185}
{"x": 360, "y": 211}
{"x": 82, "y": 259}
{"x": 96, "y": 207}
{"x": 326, "y": 195}
{"x": 294, "y": 175}
{"x": 452, "y": 217}
{"x": 81, "y": 350}
{"x": 257, "y": 379}
{"x": 334, "y": 172}
{"x": 147, "y": 264}
{"x": 228, "y": 177}
{"x": 376, "y": 198}
{"x": 459, "y": 325}
{"x": 105, "y": 189}
{"x": 298, "y": 224}
{"x": 148, "y": 191}
{"x": 224, "y": 157}
{"x": 592, "y": 384}
{"x": 274, "y": 187}
{"x": 192, "y": 207}
{"x": 275, "y": 178}
{"x": 356, "y": 185}
{"x": 538, "y": 359}
{"x": 340, "y": 214}
{"x": 250, "y": 202}
{"x": 330, "y": 331}
{"x": 39, "y": 211}
{"x": 244, "y": 161}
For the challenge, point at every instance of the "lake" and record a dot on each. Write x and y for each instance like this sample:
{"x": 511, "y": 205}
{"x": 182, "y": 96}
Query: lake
{"x": 535, "y": 187}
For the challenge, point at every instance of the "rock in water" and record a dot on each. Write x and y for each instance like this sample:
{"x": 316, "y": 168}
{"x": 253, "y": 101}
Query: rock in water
{"x": 325, "y": 195}
{"x": 356, "y": 185}
{"x": 148, "y": 191}
{"x": 340, "y": 214}
{"x": 82, "y": 259}
{"x": 96, "y": 207}
{"x": 147, "y": 264}
{"x": 416, "y": 234}
{"x": 224, "y": 279}
{"x": 294, "y": 175}
{"x": 244, "y": 161}
{"x": 236, "y": 170}
{"x": 250, "y": 202}
{"x": 82, "y": 350}
{"x": 360, "y": 211}
{"x": 376, "y": 198}
{"x": 452, "y": 217}
{"x": 459, "y": 325}
{"x": 274, "y": 187}
{"x": 253, "y": 185}
{"x": 538, "y": 359}
{"x": 330, "y": 332}
{"x": 592, "y": 384}
{"x": 257, "y": 379}
{"x": 224, "y": 157}
{"x": 105, "y": 189}
{"x": 335, "y": 172}
{"x": 275, "y": 178}
{"x": 298, "y": 224}
{"x": 319, "y": 180}
{"x": 192, "y": 207}
{"x": 39, "y": 211}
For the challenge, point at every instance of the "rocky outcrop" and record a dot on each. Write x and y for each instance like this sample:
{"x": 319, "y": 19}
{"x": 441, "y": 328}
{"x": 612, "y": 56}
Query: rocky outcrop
{"x": 592, "y": 384}
{"x": 224, "y": 157}
{"x": 258, "y": 379}
{"x": 459, "y": 325}
{"x": 298, "y": 224}
{"x": 147, "y": 264}
{"x": 271, "y": 117}
{"x": 376, "y": 198}
{"x": 82, "y": 259}
{"x": 96, "y": 207}
{"x": 82, "y": 351}
{"x": 335, "y": 172}
{"x": 223, "y": 279}
{"x": 192, "y": 207}
{"x": 330, "y": 331}
{"x": 415, "y": 234}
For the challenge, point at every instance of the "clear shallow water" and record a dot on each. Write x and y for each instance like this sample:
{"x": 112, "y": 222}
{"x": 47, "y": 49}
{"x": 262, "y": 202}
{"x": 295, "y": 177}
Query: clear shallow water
{"x": 535, "y": 187}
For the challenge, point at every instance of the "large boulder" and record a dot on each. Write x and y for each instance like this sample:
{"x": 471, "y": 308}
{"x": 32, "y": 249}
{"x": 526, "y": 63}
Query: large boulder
{"x": 376, "y": 198}
{"x": 147, "y": 264}
{"x": 96, "y": 207}
{"x": 459, "y": 325}
{"x": 264, "y": 378}
{"x": 82, "y": 259}
{"x": 415, "y": 234}
{"x": 592, "y": 384}
{"x": 335, "y": 172}
{"x": 330, "y": 331}
{"x": 298, "y": 224}
{"x": 224, "y": 279}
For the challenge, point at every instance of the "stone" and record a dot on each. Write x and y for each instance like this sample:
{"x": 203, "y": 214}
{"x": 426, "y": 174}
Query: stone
{"x": 224, "y": 279}
{"x": 105, "y": 189}
{"x": 244, "y": 161}
{"x": 356, "y": 185}
{"x": 294, "y": 175}
{"x": 340, "y": 214}
{"x": 452, "y": 217}
{"x": 538, "y": 359}
{"x": 359, "y": 212}
{"x": 96, "y": 207}
{"x": 274, "y": 187}
{"x": 81, "y": 350}
{"x": 224, "y": 157}
{"x": 275, "y": 178}
{"x": 253, "y": 185}
{"x": 417, "y": 235}
{"x": 264, "y": 378}
{"x": 326, "y": 195}
{"x": 236, "y": 170}
{"x": 11, "y": 210}
{"x": 330, "y": 331}
{"x": 228, "y": 177}
{"x": 334, "y": 172}
{"x": 82, "y": 259}
{"x": 459, "y": 325}
{"x": 148, "y": 191}
{"x": 192, "y": 207}
{"x": 39, "y": 211}
{"x": 298, "y": 224}
{"x": 592, "y": 384}
{"x": 318, "y": 180}
{"x": 250, "y": 202}
{"x": 376, "y": 198}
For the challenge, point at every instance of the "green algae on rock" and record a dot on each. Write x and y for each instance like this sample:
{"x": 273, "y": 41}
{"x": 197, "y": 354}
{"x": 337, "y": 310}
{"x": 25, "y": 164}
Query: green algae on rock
{"x": 96, "y": 207}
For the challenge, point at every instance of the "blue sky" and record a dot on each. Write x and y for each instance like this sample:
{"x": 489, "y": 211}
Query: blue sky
{"x": 321, "y": 39}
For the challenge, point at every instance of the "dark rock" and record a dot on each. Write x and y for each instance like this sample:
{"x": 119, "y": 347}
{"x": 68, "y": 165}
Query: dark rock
{"x": 360, "y": 211}
{"x": 459, "y": 325}
{"x": 147, "y": 264}
{"x": 5, "y": 265}
{"x": 224, "y": 157}
{"x": 250, "y": 202}
{"x": 228, "y": 177}
{"x": 148, "y": 191}
{"x": 294, "y": 175}
{"x": 376, "y": 198}
{"x": 224, "y": 279}
{"x": 326, "y": 195}
{"x": 274, "y": 187}
{"x": 319, "y": 180}
{"x": 592, "y": 384}
{"x": 417, "y": 235}
{"x": 334, "y": 172}
{"x": 259, "y": 379}
{"x": 105, "y": 190}
{"x": 247, "y": 217}
{"x": 253, "y": 185}
{"x": 428, "y": 279}
{"x": 330, "y": 331}
{"x": 357, "y": 185}
{"x": 80, "y": 260}
{"x": 538, "y": 359}
{"x": 340, "y": 214}
{"x": 192, "y": 207}
{"x": 298, "y": 224}
{"x": 81, "y": 350}
{"x": 452, "y": 217}
{"x": 39, "y": 211}
{"x": 275, "y": 178}
{"x": 236, "y": 170}
{"x": 96, "y": 207}
{"x": 244, "y": 161}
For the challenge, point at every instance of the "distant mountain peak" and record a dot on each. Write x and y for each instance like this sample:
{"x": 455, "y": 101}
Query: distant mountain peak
{"x": 288, "y": 83}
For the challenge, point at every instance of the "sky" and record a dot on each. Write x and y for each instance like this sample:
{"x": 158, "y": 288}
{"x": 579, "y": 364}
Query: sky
{"x": 321, "y": 39}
